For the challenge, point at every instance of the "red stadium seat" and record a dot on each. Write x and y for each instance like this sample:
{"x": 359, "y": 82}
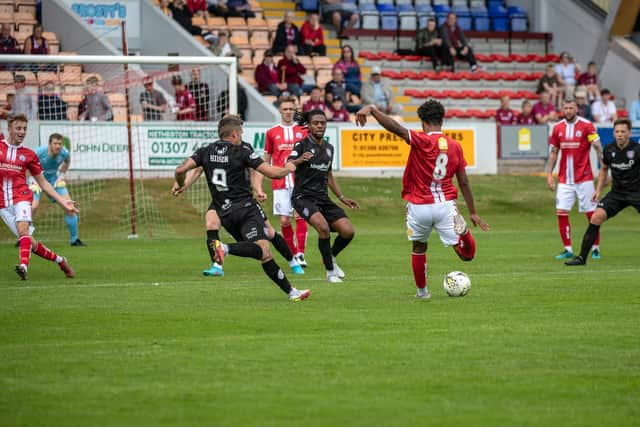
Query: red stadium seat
{"x": 368, "y": 55}
{"x": 552, "y": 57}
{"x": 501, "y": 58}
{"x": 413, "y": 58}
{"x": 483, "y": 58}
{"x": 437, "y": 94}
{"x": 455, "y": 94}
{"x": 455, "y": 76}
{"x": 476, "y": 94}
{"x": 408, "y": 74}
{"x": 492, "y": 76}
{"x": 510, "y": 77}
{"x": 413, "y": 93}
{"x": 429, "y": 75}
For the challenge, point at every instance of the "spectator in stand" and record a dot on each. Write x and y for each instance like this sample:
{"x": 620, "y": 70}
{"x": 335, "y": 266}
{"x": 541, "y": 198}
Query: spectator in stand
{"x": 185, "y": 108}
{"x": 223, "y": 47}
{"x": 550, "y": 83}
{"x": 267, "y": 76}
{"x": 315, "y": 101}
{"x": 567, "y": 70}
{"x": 291, "y": 71}
{"x": 351, "y": 70}
{"x": 153, "y": 103}
{"x": 544, "y": 111}
{"x": 8, "y": 43}
{"x": 222, "y": 104}
{"x": 589, "y": 80}
{"x": 198, "y": 8}
{"x": 526, "y": 116}
{"x": 584, "y": 108}
{"x": 341, "y": 13}
{"x": 455, "y": 44}
{"x": 634, "y": 112}
{"x": 338, "y": 87}
{"x": 182, "y": 15}
{"x": 287, "y": 34}
{"x": 201, "y": 95}
{"x": 7, "y": 109}
{"x": 604, "y": 110}
{"x": 239, "y": 9}
{"x": 95, "y": 105}
{"x": 336, "y": 111}
{"x": 165, "y": 7}
{"x": 218, "y": 8}
{"x": 50, "y": 106}
{"x": 26, "y": 99}
{"x": 429, "y": 43}
{"x": 505, "y": 115}
{"x": 378, "y": 92}
{"x": 312, "y": 36}
{"x": 35, "y": 44}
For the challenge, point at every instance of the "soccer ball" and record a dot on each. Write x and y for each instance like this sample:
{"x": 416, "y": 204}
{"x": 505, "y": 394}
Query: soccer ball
{"x": 456, "y": 284}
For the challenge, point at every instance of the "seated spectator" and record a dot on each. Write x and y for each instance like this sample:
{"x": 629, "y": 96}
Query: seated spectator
{"x": 526, "y": 116}
{"x": 165, "y": 6}
{"x": 589, "y": 80}
{"x": 505, "y": 115}
{"x": 567, "y": 70}
{"x": 182, "y": 15}
{"x": 50, "y": 106}
{"x": 26, "y": 98}
{"x": 351, "y": 70}
{"x": 341, "y": 13}
{"x": 291, "y": 71}
{"x": 223, "y": 47}
{"x": 35, "y": 44}
{"x": 378, "y": 92}
{"x": 584, "y": 108}
{"x": 198, "y": 8}
{"x": 455, "y": 44}
{"x": 544, "y": 111}
{"x": 152, "y": 101}
{"x": 337, "y": 87}
{"x": 429, "y": 43}
{"x": 315, "y": 101}
{"x": 267, "y": 76}
{"x": 336, "y": 111}
{"x": 604, "y": 110}
{"x": 200, "y": 92}
{"x": 7, "y": 109}
{"x": 185, "y": 108}
{"x": 634, "y": 113}
{"x": 218, "y": 8}
{"x": 8, "y": 43}
{"x": 550, "y": 83}
{"x": 239, "y": 9}
{"x": 312, "y": 36}
{"x": 95, "y": 105}
{"x": 287, "y": 34}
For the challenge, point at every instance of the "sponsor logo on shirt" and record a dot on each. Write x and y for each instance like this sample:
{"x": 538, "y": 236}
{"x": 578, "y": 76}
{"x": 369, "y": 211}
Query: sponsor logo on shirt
{"x": 623, "y": 166}
{"x": 321, "y": 166}
{"x": 631, "y": 154}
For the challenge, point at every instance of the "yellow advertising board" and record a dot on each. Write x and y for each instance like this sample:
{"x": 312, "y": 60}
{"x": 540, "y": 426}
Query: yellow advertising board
{"x": 377, "y": 148}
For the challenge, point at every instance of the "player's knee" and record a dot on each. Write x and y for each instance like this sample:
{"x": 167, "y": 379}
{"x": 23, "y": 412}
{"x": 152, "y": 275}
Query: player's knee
{"x": 419, "y": 247}
{"x": 285, "y": 221}
{"x": 348, "y": 233}
{"x": 264, "y": 247}
{"x": 599, "y": 216}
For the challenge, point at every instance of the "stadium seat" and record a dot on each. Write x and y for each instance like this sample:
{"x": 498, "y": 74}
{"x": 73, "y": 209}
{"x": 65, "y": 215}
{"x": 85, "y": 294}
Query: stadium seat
{"x": 480, "y": 16}
{"x": 309, "y": 5}
{"x": 499, "y": 18}
{"x": 388, "y": 16}
{"x": 441, "y": 11}
{"x": 464, "y": 16}
{"x": 517, "y": 18}
{"x": 407, "y": 16}
{"x": 369, "y": 17}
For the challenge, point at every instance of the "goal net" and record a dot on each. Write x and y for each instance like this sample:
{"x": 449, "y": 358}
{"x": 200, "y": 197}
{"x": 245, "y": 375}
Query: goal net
{"x": 126, "y": 122}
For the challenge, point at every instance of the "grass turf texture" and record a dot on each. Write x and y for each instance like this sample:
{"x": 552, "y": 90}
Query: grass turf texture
{"x": 141, "y": 338}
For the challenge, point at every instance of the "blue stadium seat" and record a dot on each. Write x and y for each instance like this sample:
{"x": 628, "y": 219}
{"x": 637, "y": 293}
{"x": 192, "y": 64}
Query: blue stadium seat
{"x": 441, "y": 10}
{"x": 499, "y": 18}
{"x": 495, "y": 3}
{"x": 424, "y": 12}
{"x": 481, "y": 21}
{"x": 517, "y": 18}
{"x": 309, "y": 5}
{"x": 369, "y": 17}
{"x": 464, "y": 17}
{"x": 388, "y": 16}
{"x": 407, "y": 15}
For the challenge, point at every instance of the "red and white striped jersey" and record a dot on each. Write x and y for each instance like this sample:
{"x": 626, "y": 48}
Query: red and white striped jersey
{"x": 14, "y": 162}
{"x": 279, "y": 142}
{"x": 434, "y": 159}
{"x": 574, "y": 141}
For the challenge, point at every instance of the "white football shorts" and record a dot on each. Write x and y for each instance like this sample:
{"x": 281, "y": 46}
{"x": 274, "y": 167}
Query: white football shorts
{"x": 566, "y": 196}
{"x": 421, "y": 219}
{"x": 11, "y": 215}
{"x": 282, "y": 202}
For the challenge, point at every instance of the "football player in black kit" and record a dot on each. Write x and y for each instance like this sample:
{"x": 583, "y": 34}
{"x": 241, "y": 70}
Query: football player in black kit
{"x": 623, "y": 158}
{"x": 226, "y": 164}
{"x": 312, "y": 158}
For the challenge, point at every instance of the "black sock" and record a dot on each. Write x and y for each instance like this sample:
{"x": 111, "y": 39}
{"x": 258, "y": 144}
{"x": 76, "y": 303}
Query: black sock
{"x": 325, "y": 251}
{"x": 339, "y": 244}
{"x": 245, "y": 249}
{"x": 211, "y": 236}
{"x": 282, "y": 247}
{"x": 588, "y": 240}
{"x": 277, "y": 275}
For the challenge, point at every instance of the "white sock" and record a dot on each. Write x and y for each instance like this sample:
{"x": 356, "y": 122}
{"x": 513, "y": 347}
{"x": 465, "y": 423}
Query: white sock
{"x": 59, "y": 259}
{"x": 225, "y": 248}
{"x": 569, "y": 248}
{"x": 215, "y": 264}
{"x": 293, "y": 262}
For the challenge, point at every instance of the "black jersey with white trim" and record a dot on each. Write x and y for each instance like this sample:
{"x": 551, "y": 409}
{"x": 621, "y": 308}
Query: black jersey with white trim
{"x": 625, "y": 167}
{"x": 312, "y": 176}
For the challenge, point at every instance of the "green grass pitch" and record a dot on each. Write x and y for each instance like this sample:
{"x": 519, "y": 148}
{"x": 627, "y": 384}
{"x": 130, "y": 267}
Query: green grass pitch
{"x": 140, "y": 338}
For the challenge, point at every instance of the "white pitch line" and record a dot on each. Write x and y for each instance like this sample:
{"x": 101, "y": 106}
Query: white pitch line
{"x": 212, "y": 282}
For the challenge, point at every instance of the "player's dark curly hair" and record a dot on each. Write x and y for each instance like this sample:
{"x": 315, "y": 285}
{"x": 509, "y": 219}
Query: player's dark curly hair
{"x": 302, "y": 119}
{"x": 431, "y": 112}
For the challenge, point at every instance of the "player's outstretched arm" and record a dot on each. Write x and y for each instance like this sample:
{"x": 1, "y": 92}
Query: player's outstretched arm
{"x": 467, "y": 194}
{"x": 275, "y": 172}
{"x": 551, "y": 163}
{"x": 602, "y": 179}
{"x": 387, "y": 122}
{"x": 192, "y": 176}
{"x": 181, "y": 171}
{"x": 256, "y": 185}
{"x": 67, "y": 204}
{"x": 335, "y": 188}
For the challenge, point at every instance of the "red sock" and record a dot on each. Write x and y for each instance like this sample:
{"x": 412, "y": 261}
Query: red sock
{"x": 565, "y": 229}
{"x": 301, "y": 234}
{"x": 597, "y": 242}
{"x": 466, "y": 247}
{"x": 287, "y": 233}
{"x": 419, "y": 266}
{"x": 25, "y": 249}
{"x": 44, "y": 252}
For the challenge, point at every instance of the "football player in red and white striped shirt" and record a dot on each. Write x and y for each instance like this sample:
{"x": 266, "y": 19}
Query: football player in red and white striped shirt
{"x": 573, "y": 137}
{"x": 279, "y": 142}
{"x": 427, "y": 186}
{"x": 16, "y": 197}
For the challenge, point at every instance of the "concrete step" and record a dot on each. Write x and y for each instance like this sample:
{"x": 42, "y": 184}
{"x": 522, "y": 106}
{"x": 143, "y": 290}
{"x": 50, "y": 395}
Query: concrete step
{"x": 521, "y": 166}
